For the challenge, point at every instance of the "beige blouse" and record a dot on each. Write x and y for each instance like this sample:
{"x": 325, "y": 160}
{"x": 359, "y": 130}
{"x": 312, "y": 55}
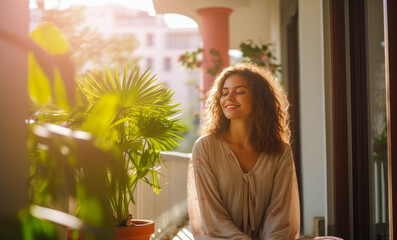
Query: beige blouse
{"x": 226, "y": 203}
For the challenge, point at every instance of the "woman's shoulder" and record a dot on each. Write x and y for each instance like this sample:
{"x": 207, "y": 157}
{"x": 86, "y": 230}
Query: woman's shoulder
{"x": 206, "y": 140}
{"x": 286, "y": 158}
{"x": 287, "y": 150}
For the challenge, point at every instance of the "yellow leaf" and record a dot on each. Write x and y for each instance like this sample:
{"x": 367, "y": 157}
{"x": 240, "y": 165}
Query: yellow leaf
{"x": 60, "y": 91}
{"x": 38, "y": 83}
{"x": 49, "y": 37}
{"x": 100, "y": 119}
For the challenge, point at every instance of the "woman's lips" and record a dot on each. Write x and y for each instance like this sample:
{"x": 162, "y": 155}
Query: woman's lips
{"x": 231, "y": 106}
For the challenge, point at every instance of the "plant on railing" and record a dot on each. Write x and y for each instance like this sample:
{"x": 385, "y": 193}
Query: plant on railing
{"x": 130, "y": 118}
{"x": 191, "y": 60}
{"x": 261, "y": 55}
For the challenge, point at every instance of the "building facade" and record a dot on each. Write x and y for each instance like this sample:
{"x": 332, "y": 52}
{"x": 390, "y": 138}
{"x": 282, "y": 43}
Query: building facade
{"x": 159, "y": 49}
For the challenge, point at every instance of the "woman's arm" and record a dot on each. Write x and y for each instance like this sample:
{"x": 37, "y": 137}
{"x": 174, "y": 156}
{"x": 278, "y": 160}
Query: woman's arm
{"x": 208, "y": 217}
{"x": 282, "y": 218}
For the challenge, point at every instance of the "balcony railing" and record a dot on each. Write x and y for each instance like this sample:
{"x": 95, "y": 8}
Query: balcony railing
{"x": 169, "y": 208}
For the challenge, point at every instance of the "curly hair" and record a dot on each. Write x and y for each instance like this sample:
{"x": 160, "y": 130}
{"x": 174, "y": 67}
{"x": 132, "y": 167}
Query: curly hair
{"x": 270, "y": 130}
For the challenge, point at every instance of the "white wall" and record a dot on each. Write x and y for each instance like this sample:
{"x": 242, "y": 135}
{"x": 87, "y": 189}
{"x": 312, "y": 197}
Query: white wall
{"x": 312, "y": 105}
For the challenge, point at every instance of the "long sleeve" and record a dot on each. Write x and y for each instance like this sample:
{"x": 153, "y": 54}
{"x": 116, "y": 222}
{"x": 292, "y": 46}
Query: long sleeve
{"x": 209, "y": 218}
{"x": 282, "y": 218}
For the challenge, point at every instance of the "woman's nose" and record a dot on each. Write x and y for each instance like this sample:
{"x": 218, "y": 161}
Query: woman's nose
{"x": 229, "y": 96}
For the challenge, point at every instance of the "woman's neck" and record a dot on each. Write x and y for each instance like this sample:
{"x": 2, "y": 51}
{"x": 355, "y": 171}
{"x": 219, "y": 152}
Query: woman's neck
{"x": 239, "y": 133}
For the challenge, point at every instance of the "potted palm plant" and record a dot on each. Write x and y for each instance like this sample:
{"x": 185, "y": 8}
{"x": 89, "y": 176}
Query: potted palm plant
{"x": 142, "y": 125}
{"x": 131, "y": 117}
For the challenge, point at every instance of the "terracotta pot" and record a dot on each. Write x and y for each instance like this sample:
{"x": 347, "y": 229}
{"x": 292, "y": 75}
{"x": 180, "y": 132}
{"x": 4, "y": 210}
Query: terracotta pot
{"x": 142, "y": 230}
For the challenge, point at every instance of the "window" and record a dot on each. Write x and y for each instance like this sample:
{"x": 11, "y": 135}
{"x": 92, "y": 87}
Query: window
{"x": 149, "y": 63}
{"x": 182, "y": 40}
{"x": 377, "y": 124}
{"x": 167, "y": 64}
{"x": 149, "y": 40}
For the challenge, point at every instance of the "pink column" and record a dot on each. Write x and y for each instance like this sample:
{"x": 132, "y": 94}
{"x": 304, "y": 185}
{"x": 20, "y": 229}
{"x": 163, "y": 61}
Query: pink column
{"x": 215, "y": 34}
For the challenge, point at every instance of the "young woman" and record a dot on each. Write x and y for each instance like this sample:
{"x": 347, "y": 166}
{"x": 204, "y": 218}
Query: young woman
{"x": 241, "y": 179}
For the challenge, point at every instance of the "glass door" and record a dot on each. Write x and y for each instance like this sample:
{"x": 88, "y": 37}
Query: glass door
{"x": 377, "y": 124}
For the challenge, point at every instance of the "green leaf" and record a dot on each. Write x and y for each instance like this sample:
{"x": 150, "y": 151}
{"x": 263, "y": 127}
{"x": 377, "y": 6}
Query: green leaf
{"x": 113, "y": 85}
{"x": 33, "y": 227}
{"x": 155, "y": 181}
{"x": 90, "y": 209}
{"x": 125, "y": 77}
{"x": 122, "y": 121}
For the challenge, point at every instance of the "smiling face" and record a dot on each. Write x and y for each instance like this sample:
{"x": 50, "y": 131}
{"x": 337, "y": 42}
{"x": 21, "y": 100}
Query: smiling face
{"x": 236, "y": 98}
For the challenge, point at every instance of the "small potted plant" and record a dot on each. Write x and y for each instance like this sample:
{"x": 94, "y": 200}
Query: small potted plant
{"x": 131, "y": 117}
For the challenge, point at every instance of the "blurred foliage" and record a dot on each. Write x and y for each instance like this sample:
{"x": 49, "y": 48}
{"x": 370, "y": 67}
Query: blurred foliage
{"x": 34, "y": 228}
{"x": 98, "y": 149}
{"x": 40, "y": 88}
{"x": 260, "y": 54}
{"x": 191, "y": 60}
{"x": 88, "y": 47}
